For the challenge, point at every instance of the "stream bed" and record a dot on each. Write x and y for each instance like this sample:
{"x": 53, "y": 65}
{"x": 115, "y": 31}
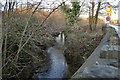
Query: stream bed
{"x": 57, "y": 67}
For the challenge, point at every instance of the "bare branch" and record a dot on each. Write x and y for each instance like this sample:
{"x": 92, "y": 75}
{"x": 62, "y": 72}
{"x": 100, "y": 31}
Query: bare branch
{"x": 50, "y": 14}
{"x": 23, "y": 33}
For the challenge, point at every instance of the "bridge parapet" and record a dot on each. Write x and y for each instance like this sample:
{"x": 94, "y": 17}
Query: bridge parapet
{"x": 104, "y": 62}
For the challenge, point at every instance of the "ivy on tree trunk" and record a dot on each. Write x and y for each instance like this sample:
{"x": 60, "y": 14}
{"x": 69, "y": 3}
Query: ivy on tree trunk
{"x": 71, "y": 13}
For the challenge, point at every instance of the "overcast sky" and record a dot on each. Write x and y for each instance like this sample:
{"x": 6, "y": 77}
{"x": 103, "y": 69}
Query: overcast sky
{"x": 47, "y": 3}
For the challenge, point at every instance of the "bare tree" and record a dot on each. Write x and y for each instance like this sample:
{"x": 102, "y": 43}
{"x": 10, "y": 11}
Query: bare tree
{"x": 97, "y": 12}
{"x": 93, "y": 19}
{"x": 6, "y": 4}
{"x": 13, "y": 5}
{"x": 16, "y": 5}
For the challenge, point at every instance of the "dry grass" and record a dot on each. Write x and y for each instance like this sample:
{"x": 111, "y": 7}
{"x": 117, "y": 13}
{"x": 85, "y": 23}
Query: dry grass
{"x": 33, "y": 54}
{"x": 80, "y": 43}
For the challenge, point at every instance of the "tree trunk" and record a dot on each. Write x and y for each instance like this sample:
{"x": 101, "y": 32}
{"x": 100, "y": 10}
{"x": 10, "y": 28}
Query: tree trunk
{"x": 13, "y": 4}
{"x": 96, "y": 15}
{"x": 21, "y": 6}
{"x": 9, "y": 7}
{"x": 92, "y": 18}
{"x": 92, "y": 10}
{"x": 16, "y": 5}
{"x": 5, "y": 7}
{"x": 10, "y": 4}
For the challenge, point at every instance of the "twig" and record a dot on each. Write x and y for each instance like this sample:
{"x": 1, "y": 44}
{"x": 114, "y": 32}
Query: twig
{"x": 50, "y": 14}
{"x": 17, "y": 74}
{"x": 5, "y": 47}
{"x": 80, "y": 8}
{"x": 24, "y": 10}
{"x": 9, "y": 47}
{"x": 23, "y": 33}
{"x": 20, "y": 45}
{"x": 28, "y": 52}
{"x": 40, "y": 25}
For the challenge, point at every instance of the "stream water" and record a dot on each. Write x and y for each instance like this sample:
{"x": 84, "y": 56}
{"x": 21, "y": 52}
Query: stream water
{"x": 58, "y": 65}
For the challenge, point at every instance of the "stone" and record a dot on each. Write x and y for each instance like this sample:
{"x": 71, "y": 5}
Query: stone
{"x": 100, "y": 71}
{"x": 114, "y": 40}
{"x": 110, "y": 52}
{"x": 109, "y": 62}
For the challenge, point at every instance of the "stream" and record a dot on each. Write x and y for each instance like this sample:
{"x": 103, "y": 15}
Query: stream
{"x": 58, "y": 65}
